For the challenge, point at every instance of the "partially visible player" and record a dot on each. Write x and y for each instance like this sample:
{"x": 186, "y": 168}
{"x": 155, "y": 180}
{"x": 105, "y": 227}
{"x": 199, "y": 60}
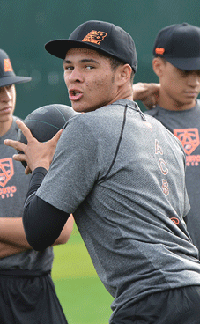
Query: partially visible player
{"x": 177, "y": 64}
{"x": 27, "y": 293}
{"x": 122, "y": 175}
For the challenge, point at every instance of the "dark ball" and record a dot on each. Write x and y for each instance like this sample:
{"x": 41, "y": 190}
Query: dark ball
{"x": 45, "y": 122}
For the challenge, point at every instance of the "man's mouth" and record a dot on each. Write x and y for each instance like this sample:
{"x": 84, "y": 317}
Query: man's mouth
{"x": 191, "y": 93}
{"x": 5, "y": 110}
{"x": 75, "y": 95}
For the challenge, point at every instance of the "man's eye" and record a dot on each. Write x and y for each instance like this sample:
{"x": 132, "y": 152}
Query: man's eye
{"x": 89, "y": 67}
{"x": 68, "y": 68}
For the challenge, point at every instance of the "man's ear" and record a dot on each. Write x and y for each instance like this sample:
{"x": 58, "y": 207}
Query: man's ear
{"x": 123, "y": 74}
{"x": 158, "y": 65}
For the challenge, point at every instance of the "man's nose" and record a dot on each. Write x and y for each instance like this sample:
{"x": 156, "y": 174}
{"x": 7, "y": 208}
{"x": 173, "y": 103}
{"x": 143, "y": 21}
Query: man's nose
{"x": 5, "y": 94}
{"x": 194, "y": 80}
{"x": 76, "y": 75}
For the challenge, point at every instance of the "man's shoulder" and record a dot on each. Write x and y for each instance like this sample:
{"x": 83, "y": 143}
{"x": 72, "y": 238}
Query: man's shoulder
{"x": 14, "y": 124}
{"x": 152, "y": 112}
{"x": 158, "y": 110}
{"x": 198, "y": 103}
{"x": 16, "y": 118}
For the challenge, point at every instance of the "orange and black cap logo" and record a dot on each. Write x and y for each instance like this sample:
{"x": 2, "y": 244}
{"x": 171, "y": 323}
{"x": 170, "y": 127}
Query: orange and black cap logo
{"x": 159, "y": 50}
{"x": 7, "y": 65}
{"x": 95, "y": 37}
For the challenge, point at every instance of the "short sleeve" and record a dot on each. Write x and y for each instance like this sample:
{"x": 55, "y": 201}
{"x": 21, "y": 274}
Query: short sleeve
{"x": 74, "y": 168}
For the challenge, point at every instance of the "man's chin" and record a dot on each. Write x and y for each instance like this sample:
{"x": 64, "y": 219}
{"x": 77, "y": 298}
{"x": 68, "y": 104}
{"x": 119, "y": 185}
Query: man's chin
{"x": 81, "y": 108}
{"x": 4, "y": 118}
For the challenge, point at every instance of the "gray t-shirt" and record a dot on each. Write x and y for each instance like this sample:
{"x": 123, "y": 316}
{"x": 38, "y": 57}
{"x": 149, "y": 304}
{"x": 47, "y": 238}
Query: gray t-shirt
{"x": 186, "y": 126}
{"x": 13, "y": 188}
{"x": 128, "y": 199}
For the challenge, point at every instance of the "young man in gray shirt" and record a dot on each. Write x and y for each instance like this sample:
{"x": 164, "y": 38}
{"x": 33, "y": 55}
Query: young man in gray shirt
{"x": 122, "y": 175}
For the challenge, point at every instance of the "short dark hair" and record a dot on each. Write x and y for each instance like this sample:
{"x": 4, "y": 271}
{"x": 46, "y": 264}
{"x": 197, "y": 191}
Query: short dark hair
{"x": 115, "y": 62}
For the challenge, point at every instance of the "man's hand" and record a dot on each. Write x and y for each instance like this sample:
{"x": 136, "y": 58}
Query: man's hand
{"x": 148, "y": 93}
{"x": 36, "y": 154}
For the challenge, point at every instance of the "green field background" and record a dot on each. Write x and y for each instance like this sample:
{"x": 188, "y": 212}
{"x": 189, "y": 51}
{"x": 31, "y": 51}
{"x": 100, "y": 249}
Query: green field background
{"x": 83, "y": 297}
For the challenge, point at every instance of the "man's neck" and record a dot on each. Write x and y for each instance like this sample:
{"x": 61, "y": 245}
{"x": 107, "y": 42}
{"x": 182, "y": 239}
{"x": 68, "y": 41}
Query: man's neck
{"x": 173, "y": 105}
{"x": 124, "y": 93}
{"x": 4, "y": 127}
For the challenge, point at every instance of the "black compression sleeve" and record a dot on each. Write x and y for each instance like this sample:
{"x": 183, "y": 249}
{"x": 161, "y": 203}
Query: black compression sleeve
{"x": 43, "y": 222}
{"x": 36, "y": 180}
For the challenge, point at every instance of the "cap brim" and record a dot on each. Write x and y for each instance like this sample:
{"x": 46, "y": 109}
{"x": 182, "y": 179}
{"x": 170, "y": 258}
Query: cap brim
{"x": 60, "y": 47}
{"x": 13, "y": 80}
{"x": 189, "y": 64}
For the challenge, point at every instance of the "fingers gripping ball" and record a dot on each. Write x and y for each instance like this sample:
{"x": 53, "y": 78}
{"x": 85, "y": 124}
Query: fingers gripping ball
{"x": 45, "y": 122}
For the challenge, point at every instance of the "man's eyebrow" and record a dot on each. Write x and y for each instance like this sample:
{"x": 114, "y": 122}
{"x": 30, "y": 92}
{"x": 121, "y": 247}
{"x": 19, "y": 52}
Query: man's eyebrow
{"x": 89, "y": 61}
{"x": 82, "y": 61}
{"x": 66, "y": 61}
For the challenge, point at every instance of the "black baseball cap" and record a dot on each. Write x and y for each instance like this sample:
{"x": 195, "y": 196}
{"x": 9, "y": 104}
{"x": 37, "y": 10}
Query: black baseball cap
{"x": 7, "y": 75}
{"x": 179, "y": 45}
{"x": 101, "y": 36}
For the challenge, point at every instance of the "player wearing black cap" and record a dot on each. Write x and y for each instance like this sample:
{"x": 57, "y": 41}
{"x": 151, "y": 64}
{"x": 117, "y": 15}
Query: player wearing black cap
{"x": 122, "y": 175}
{"x": 27, "y": 291}
{"x": 109, "y": 39}
{"x": 177, "y": 64}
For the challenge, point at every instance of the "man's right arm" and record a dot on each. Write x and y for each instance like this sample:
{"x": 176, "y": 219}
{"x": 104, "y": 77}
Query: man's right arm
{"x": 43, "y": 222}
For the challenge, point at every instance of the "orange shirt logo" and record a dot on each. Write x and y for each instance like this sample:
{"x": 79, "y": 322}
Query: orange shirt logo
{"x": 6, "y": 171}
{"x": 189, "y": 139}
{"x": 95, "y": 37}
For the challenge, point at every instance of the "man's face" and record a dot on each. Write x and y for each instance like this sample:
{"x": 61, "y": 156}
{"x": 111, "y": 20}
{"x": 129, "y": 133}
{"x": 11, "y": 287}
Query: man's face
{"x": 179, "y": 86}
{"x": 7, "y": 102}
{"x": 89, "y": 79}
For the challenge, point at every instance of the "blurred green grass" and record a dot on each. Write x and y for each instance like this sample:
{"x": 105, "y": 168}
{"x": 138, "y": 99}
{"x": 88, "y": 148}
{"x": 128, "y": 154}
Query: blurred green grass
{"x": 83, "y": 297}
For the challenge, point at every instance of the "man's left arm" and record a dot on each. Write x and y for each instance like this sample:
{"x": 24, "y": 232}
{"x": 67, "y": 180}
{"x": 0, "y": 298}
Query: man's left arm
{"x": 8, "y": 249}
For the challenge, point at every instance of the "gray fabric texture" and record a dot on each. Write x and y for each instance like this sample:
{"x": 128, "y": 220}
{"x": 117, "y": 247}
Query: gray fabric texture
{"x": 186, "y": 126}
{"x": 125, "y": 214}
